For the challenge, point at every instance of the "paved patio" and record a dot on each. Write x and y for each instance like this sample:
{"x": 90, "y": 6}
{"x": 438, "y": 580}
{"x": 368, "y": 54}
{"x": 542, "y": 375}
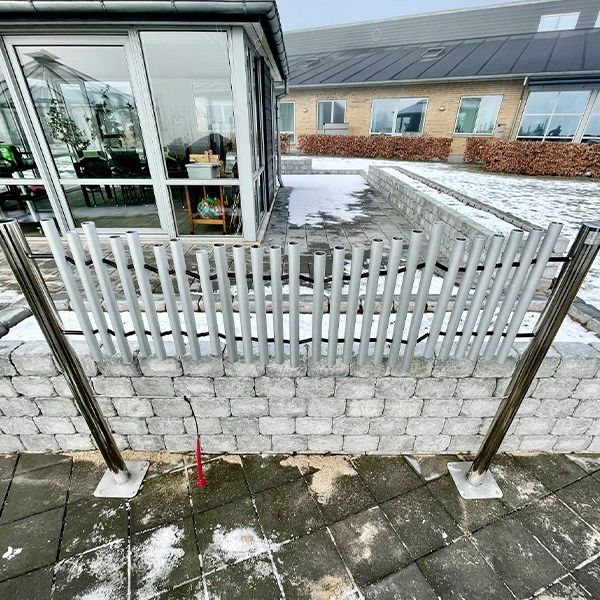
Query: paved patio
{"x": 306, "y": 528}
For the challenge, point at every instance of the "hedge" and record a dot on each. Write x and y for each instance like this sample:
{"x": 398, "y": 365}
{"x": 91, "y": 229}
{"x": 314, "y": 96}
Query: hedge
{"x": 535, "y": 158}
{"x": 376, "y": 146}
{"x": 284, "y": 142}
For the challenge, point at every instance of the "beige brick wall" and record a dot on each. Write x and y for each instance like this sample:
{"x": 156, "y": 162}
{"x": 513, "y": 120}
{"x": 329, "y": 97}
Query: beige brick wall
{"x": 444, "y": 99}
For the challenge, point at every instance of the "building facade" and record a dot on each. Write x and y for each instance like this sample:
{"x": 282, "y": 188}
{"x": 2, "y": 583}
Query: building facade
{"x": 529, "y": 70}
{"x": 153, "y": 116}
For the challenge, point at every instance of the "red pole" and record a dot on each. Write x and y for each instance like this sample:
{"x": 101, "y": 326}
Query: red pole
{"x": 201, "y": 481}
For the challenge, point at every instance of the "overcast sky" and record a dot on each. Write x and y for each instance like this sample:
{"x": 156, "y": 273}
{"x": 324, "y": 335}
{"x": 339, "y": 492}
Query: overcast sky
{"x": 298, "y": 14}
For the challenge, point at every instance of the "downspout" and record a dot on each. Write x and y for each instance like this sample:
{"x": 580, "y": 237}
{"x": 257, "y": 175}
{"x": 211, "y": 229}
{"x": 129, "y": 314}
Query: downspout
{"x": 277, "y": 97}
{"x": 516, "y": 117}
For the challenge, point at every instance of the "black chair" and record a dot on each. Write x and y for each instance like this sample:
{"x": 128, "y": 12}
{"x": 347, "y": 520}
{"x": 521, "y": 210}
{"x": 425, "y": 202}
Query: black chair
{"x": 94, "y": 167}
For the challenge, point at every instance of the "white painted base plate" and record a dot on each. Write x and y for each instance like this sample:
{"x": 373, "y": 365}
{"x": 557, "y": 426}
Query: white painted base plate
{"x": 488, "y": 488}
{"x": 109, "y": 488}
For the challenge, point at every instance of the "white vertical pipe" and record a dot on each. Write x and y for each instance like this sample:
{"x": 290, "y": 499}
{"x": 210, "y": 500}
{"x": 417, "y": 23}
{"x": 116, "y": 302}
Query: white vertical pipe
{"x": 318, "y": 296}
{"x": 481, "y": 290}
{"x": 358, "y": 253}
{"x": 294, "y": 295}
{"x": 78, "y": 254}
{"x": 535, "y": 275}
{"x": 369, "y": 306}
{"x": 387, "y": 300}
{"x": 118, "y": 250}
{"x": 107, "y": 290}
{"x": 456, "y": 256}
{"x": 183, "y": 287}
{"x": 241, "y": 283}
{"x": 408, "y": 278}
{"x": 475, "y": 251}
{"x": 137, "y": 258}
{"x": 276, "y": 300}
{"x": 533, "y": 240}
{"x": 335, "y": 299}
{"x": 225, "y": 297}
{"x": 208, "y": 298}
{"x": 433, "y": 249}
{"x": 56, "y": 247}
{"x": 258, "y": 284}
{"x": 166, "y": 284}
{"x": 491, "y": 302}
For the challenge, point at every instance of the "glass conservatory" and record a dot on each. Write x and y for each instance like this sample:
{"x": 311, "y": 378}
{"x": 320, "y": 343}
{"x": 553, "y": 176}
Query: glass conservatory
{"x": 148, "y": 115}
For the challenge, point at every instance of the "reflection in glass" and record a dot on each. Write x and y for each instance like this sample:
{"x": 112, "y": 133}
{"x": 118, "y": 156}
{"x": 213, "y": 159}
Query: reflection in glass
{"x": 533, "y": 126}
{"x": 113, "y": 206}
{"x": 478, "y": 115}
{"x": 207, "y": 209}
{"x": 190, "y": 77}
{"x": 330, "y": 111}
{"x": 592, "y": 130}
{"x": 563, "y": 126}
{"x": 287, "y": 119}
{"x": 382, "y": 117}
{"x": 84, "y": 99}
{"x": 28, "y": 204}
{"x": 15, "y": 156}
{"x": 410, "y": 115}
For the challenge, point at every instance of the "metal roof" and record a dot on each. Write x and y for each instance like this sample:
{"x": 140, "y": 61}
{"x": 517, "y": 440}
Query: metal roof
{"x": 560, "y": 52}
{"x": 109, "y": 11}
{"x": 484, "y": 21}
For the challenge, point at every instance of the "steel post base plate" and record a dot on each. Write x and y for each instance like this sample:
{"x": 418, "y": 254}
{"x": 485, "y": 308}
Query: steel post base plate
{"x": 109, "y": 488}
{"x": 488, "y": 488}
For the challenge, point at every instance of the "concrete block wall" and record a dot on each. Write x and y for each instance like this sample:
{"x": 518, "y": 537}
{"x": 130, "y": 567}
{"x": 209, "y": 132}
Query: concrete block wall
{"x": 439, "y": 406}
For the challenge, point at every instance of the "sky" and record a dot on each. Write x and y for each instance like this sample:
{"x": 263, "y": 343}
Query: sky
{"x": 299, "y": 14}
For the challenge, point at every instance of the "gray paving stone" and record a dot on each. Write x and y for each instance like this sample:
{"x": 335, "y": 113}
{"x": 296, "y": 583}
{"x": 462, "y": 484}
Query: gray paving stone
{"x": 406, "y": 584}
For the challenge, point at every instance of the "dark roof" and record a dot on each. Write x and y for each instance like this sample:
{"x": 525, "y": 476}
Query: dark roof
{"x": 264, "y": 12}
{"x": 572, "y": 52}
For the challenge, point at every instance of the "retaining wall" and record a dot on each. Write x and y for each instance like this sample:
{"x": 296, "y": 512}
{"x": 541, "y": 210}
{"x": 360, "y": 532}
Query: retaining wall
{"x": 439, "y": 406}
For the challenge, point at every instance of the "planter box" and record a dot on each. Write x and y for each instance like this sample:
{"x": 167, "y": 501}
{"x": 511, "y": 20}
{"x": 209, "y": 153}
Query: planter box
{"x": 203, "y": 170}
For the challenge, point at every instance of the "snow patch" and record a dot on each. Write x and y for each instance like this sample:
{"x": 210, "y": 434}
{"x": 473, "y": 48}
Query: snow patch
{"x": 12, "y": 553}
{"x": 237, "y": 544}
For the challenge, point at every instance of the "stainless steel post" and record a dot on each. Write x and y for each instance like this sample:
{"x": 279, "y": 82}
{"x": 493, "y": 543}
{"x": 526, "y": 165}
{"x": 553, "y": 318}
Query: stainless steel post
{"x": 18, "y": 256}
{"x": 474, "y": 479}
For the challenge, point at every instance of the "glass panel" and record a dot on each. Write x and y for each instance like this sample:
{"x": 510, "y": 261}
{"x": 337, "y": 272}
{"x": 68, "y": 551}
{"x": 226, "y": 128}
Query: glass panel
{"x": 84, "y": 99}
{"x": 190, "y": 78}
{"x": 206, "y": 209}
{"x": 548, "y": 23}
{"x": 467, "y": 115}
{"x": 382, "y": 116}
{"x": 15, "y": 156}
{"x": 568, "y": 21}
{"x": 339, "y": 112}
{"x": 410, "y": 115}
{"x": 593, "y": 127}
{"x": 113, "y": 206}
{"x": 563, "y": 126}
{"x": 323, "y": 114}
{"x": 27, "y": 204}
{"x": 487, "y": 114}
{"x": 571, "y": 102}
{"x": 286, "y": 117}
{"x": 541, "y": 103}
{"x": 533, "y": 126}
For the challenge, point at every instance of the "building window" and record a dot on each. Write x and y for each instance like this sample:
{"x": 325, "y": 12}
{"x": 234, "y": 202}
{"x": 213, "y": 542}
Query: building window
{"x": 592, "y": 129}
{"x": 397, "y": 117}
{"x": 431, "y": 53}
{"x": 330, "y": 111}
{"x": 287, "y": 120}
{"x": 477, "y": 115}
{"x": 553, "y": 115}
{"x": 597, "y": 24}
{"x": 560, "y": 22}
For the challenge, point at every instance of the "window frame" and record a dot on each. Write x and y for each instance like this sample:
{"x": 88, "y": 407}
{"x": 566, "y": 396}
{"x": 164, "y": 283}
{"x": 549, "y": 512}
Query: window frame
{"x": 395, "y": 117}
{"x": 481, "y": 96}
{"x": 558, "y": 16}
{"x": 331, "y": 101}
{"x": 293, "y": 132}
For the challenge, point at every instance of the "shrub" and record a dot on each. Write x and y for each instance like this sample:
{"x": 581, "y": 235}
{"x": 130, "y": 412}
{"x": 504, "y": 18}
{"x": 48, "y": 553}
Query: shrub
{"x": 376, "y": 146}
{"x": 284, "y": 143}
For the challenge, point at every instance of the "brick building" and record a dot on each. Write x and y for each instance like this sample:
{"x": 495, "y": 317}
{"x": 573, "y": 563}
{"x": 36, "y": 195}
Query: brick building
{"x": 525, "y": 70}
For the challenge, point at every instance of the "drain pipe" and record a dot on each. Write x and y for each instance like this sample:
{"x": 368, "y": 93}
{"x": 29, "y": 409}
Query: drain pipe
{"x": 277, "y": 97}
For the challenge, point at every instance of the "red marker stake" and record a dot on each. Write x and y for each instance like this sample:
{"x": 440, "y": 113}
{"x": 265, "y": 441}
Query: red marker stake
{"x": 201, "y": 481}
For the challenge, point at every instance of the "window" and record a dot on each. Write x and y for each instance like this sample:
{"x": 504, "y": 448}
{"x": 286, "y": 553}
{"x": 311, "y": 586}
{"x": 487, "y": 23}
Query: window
{"x": 287, "y": 119}
{"x": 477, "y": 115}
{"x": 597, "y": 24}
{"x": 592, "y": 129}
{"x": 559, "y": 22}
{"x": 553, "y": 115}
{"x": 433, "y": 53}
{"x": 330, "y": 111}
{"x": 397, "y": 117}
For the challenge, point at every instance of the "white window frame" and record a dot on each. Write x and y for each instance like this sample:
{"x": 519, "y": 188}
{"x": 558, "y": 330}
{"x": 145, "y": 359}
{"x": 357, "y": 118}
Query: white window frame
{"x": 293, "y": 132}
{"x": 393, "y": 132}
{"x": 558, "y": 17}
{"x": 481, "y": 96}
{"x": 330, "y": 100}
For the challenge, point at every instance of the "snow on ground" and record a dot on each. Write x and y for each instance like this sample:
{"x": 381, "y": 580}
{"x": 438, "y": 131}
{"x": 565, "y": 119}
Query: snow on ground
{"x": 319, "y": 198}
